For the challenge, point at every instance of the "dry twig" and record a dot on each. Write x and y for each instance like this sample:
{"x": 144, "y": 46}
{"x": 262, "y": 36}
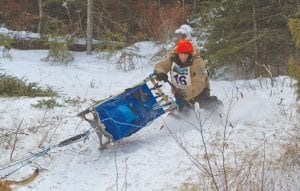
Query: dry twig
{"x": 15, "y": 142}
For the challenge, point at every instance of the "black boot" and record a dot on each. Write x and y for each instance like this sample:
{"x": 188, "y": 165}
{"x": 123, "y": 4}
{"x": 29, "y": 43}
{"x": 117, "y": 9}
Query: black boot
{"x": 208, "y": 102}
{"x": 212, "y": 103}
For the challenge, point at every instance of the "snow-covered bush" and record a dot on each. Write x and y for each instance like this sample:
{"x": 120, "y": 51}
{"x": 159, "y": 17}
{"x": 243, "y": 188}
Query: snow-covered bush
{"x": 163, "y": 51}
{"x": 59, "y": 51}
{"x": 126, "y": 61}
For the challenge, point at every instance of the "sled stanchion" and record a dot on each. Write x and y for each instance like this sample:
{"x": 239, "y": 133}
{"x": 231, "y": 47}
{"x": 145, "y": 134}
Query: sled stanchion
{"x": 99, "y": 129}
{"x": 96, "y": 125}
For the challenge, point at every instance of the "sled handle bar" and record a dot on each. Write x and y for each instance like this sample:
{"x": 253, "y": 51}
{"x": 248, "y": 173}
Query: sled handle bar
{"x": 180, "y": 92}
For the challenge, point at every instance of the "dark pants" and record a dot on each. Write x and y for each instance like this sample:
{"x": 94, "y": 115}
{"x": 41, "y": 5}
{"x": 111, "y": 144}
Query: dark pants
{"x": 205, "y": 100}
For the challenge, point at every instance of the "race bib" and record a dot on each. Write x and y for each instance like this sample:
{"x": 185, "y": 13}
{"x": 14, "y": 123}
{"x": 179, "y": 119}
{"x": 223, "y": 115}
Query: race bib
{"x": 180, "y": 77}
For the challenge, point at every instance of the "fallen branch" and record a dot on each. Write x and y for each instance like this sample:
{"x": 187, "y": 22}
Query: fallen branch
{"x": 12, "y": 133}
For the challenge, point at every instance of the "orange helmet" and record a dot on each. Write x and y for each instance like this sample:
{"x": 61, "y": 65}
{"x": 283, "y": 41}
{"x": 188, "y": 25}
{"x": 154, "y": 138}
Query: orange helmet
{"x": 184, "y": 46}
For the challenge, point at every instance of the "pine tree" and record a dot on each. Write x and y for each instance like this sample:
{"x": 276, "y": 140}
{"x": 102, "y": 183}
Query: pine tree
{"x": 294, "y": 63}
{"x": 250, "y": 33}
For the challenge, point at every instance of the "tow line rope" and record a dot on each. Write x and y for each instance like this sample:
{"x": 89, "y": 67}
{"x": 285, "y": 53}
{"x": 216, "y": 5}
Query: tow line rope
{"x": 29, "y": 159}
{"x": 77, "y": 138}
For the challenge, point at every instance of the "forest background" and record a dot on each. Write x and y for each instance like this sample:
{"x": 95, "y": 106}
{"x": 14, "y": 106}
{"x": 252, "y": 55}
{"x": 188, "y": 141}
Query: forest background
{"x": 260, "y": 37}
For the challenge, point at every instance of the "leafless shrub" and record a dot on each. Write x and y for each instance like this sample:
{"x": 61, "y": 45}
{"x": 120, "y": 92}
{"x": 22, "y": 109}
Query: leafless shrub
{"x": 290, "y": 153}
{"x": 15, "y": 141}
{"x": 189, "y": 187}
{"x": 117, "y": 171}
{"x": 127, "y": 60}
{"x": 125, "y": 184}
{"x": 162, "y": 52}
{"x": 222, "y": 164}
{"x": 7, "y": 136}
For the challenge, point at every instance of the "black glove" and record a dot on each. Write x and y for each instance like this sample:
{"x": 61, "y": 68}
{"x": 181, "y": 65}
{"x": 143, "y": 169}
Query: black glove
{"x": 161, "y": 76}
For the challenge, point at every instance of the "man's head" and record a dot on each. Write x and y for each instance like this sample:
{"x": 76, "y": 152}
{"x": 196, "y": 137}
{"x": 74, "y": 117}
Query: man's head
{"x": 184, "y": 48}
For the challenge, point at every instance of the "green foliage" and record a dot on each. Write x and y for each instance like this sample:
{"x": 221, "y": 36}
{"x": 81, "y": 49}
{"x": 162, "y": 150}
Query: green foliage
{"x": 294, "y": 26}
{"x": 111, "y": 42}
{"x": 51, "y": 103}
{"x": 6, "y": 43}
{"x": 294, "y": 71}
{"x": 73, "y": 101}
{"x": 55, "y": 27}
{"x": 294, "y": 63}
{"x": 67, "y": 16}
{"x": 48, "y": 104}
{"x": 59, "y": 51}
{"x": 59, "y": 43}
{"x": 249, "y": 32}
{"x": 13, "y": 87}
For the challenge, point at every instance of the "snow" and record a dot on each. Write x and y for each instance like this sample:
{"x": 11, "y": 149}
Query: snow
{"x": 151, "y": 159}
{"x": 27, "y": 35}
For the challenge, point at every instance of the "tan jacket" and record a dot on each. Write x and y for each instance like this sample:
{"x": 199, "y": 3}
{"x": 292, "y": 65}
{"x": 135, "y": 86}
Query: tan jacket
{"x": 198, "y": 75}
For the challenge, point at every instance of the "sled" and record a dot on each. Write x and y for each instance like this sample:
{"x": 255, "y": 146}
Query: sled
{"x": 124, "y": 114}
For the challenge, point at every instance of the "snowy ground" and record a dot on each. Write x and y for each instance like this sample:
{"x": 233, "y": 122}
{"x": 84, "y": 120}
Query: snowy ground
{"x": 151, "y": 159}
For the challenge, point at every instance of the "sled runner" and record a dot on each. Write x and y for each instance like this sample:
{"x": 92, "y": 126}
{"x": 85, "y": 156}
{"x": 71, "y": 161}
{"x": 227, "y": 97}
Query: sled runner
{"x": 126, "y": 113}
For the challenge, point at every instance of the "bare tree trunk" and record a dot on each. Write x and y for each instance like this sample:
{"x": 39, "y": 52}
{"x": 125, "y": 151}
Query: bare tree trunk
{"x": 69, "y": 14}
{"x": 183, "y": 4}
{"x": 255, "y": 57}
{"x": 40, "y": 16}
{"x": 195, "y": 6}
{"x": 89, "y": 26}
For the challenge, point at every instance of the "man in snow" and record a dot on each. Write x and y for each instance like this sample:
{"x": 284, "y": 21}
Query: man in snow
{"x": 189, "y": 79}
